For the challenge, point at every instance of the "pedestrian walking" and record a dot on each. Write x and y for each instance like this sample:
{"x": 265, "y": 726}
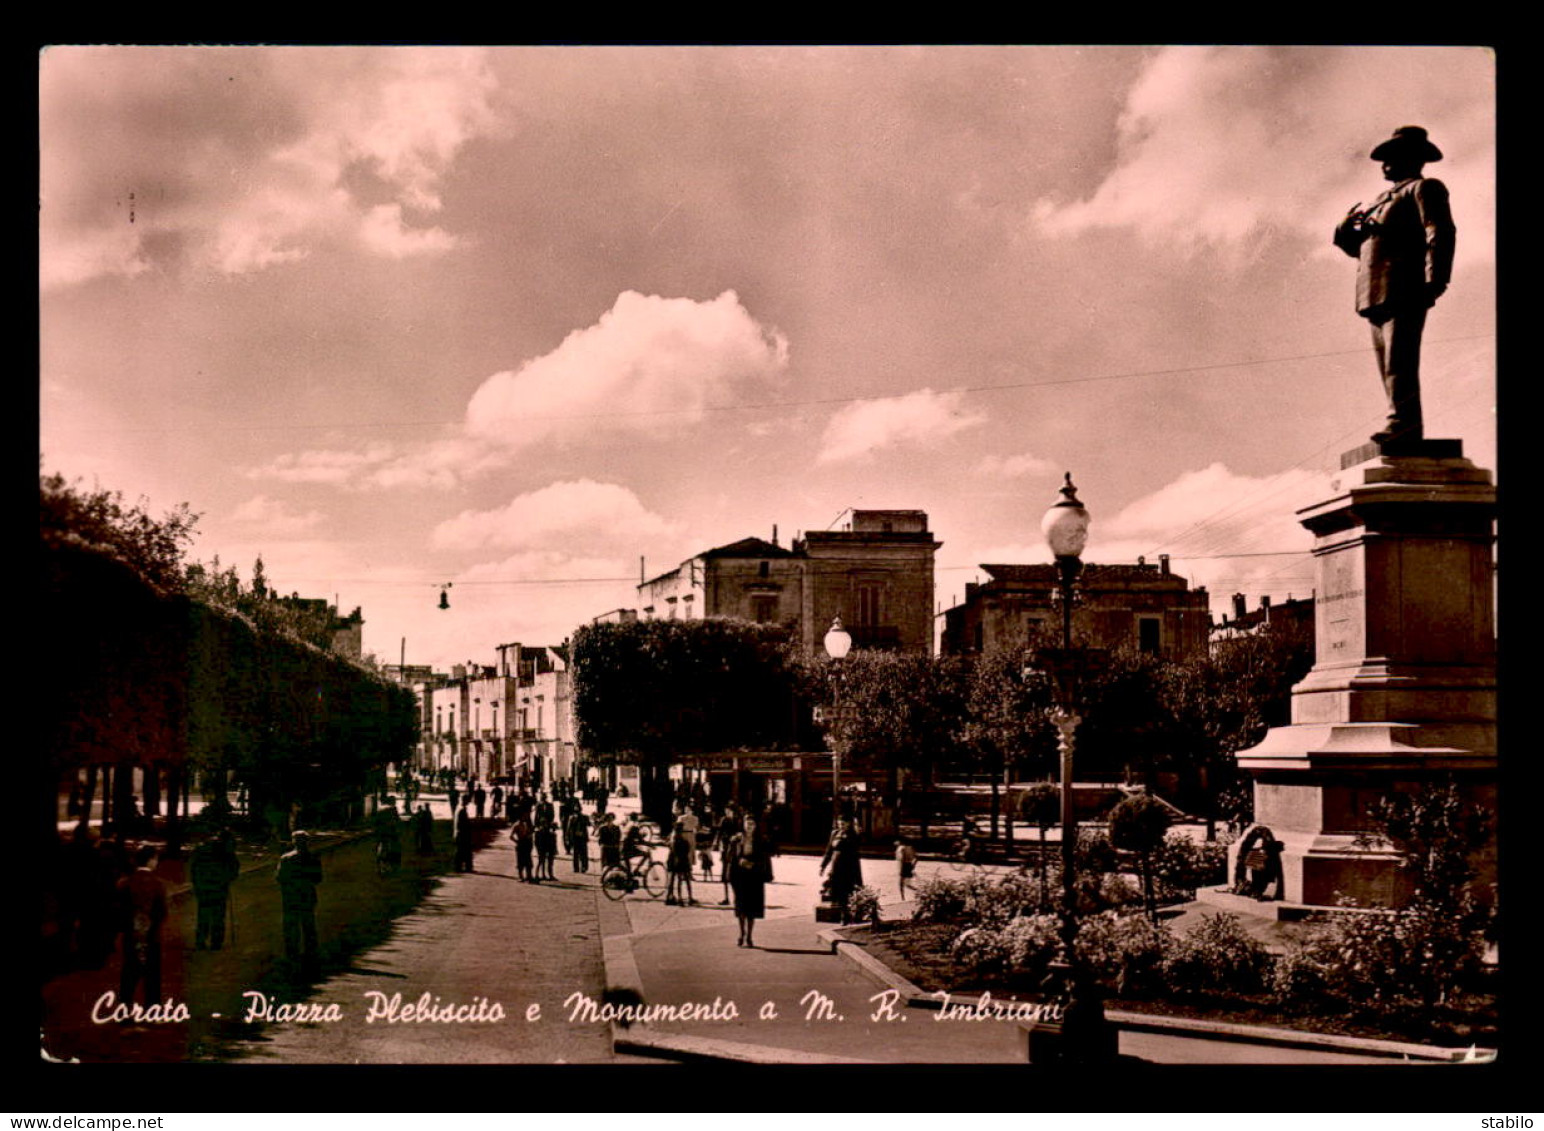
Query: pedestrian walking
{"x": 524, "y": 835}
{"x": 463, "y": 835}
{"x": 705, "y": 859}
{"x": 212, "y": 870}
{"x": 579, "y": 840}
{"x": 728, "y": 829}
{"x": 452, "y": 795}
{"x": 845, "y": 864}
{"x": 678, "y": 867}
{"x": 142, "y": 899}
{"x": 423, "y": 830}
{"x": 546, "y": 849}
{"x": 480, "y": 799}
{"x": 299, "y": 874}
{"x": 905, "y": 863}
{"x": 750, "y": 870}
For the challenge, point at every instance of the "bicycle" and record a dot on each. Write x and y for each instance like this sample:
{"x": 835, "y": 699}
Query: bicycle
{"x": 965, "y": 855}
{"x": 645, "y": 872}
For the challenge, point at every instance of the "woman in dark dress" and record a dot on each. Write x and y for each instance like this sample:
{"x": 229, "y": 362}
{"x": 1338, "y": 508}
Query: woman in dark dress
{"x": 846, "y": 866}
{"x": 749, "y": 864}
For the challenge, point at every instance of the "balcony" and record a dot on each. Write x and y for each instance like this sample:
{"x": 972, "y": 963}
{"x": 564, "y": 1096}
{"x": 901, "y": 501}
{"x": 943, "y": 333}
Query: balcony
{"x": 529, "y": 734}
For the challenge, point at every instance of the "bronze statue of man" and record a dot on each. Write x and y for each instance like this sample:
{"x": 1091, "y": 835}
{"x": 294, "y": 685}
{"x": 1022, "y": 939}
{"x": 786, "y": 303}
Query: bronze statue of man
{"x": 1403, "y": 241}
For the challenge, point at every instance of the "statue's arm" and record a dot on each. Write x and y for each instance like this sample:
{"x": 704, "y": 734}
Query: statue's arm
{"x": 1349, "y": 234}
{"x": 1431, "y": 198}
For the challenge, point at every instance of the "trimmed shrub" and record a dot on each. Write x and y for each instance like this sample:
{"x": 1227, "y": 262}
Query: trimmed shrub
{"x": 994, "y": 902}
{"x": 1125, "y": 952}
{"x": 1031, "y": 942}
{"x": 1181, "y": 865}
{"x": 863, "y": 905}
{"x": 939, "y": 900}
{"x": 1218, "y": 956}
{"x": 981, "y": 949}
{"x": 1301, "y": 979}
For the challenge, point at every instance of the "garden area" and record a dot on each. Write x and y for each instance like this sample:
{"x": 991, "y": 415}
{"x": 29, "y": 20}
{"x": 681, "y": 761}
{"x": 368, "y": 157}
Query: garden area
{"x": 1421, "y": 973}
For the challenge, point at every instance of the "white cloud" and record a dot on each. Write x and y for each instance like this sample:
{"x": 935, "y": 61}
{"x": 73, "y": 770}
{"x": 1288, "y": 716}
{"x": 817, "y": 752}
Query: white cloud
{"x": 922, "y": 419}
{"x": 242, "y": 159}
{"x": 272, "y": 517}
{"x": 1225, "y": 146}
{"x": 1014, "y": 467}
{"x": 335, "y": 467}
{"x": 575, "y": 516}
{"x": 647, "y": 365}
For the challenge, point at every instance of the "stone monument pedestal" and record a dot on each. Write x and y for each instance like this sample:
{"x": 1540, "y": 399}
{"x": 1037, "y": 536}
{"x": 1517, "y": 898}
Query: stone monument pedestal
{"x": 1403, "y": 686}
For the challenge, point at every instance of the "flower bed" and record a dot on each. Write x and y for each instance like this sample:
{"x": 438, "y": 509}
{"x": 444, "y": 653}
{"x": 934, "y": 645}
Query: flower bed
{"x": 1356, "y": 974}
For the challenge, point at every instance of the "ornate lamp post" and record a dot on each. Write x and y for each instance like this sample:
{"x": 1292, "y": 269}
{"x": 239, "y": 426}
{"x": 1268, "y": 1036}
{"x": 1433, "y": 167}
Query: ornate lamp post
{"x": 838, "y": 642}
{"x": 1084, "y": 1036}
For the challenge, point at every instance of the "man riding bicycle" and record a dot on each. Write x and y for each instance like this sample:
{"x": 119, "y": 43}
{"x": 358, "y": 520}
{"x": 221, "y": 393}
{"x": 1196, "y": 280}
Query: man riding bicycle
{"x": 635, "y": 842}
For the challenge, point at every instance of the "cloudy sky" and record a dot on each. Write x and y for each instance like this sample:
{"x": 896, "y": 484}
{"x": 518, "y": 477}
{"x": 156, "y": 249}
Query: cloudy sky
{"x": 514, "y": 319}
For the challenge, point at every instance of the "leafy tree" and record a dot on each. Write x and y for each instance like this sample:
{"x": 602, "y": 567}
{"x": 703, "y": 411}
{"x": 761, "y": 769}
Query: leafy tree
{"x": 1222, "y": 702}
{"x": 649, "y": 691}
{"x": 99, "y": 519}
{"x": 1007, "y": 718}
{"x": 1040, "y": 805}
{"x": 1138, "y": 824}
{"x": 890, "y": 710}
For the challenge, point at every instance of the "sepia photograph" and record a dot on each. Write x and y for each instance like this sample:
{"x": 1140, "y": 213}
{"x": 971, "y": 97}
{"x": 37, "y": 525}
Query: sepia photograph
{"x": 646, "y": 555}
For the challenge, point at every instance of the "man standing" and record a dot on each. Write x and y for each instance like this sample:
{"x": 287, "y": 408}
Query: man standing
{"x": 299, "y": 874}
{"x": 213, "y": 869}
{"x": 1403, "y": 242}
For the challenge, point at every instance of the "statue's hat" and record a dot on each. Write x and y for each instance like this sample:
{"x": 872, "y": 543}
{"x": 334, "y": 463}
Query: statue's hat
{"x": 1408, "y": 141}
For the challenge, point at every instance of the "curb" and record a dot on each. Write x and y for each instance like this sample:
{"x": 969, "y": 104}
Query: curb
{"x": 643, "y": 1040}
{"x": 917, "y": 998}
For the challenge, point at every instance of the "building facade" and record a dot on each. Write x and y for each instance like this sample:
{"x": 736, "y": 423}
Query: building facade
{"x": 510, "y": 720}
{"x": 876, "y": 574}
{"x": 1145, "y": 607}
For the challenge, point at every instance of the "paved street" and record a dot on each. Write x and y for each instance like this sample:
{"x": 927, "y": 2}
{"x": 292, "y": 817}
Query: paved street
{"x": 479, "y": 937}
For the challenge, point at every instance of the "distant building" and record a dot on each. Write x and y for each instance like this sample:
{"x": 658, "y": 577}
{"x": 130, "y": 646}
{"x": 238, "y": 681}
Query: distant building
{"x": 1247, "y": 622}
{"x": 1142, "y": 606}
{"x": 876, "y": 574}
{"x": 508, "y": 720}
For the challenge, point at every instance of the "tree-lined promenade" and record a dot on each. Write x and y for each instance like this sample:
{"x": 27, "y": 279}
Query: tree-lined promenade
{"x": 165, "y": 678}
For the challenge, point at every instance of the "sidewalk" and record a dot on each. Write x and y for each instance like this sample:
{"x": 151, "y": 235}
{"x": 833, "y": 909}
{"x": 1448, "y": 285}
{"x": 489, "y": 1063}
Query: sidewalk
{"x": 828, "y": 1008}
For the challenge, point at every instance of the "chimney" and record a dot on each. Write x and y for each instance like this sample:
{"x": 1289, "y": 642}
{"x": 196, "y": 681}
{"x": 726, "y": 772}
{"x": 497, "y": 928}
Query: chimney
{"x": 1163, "y": 564}
{"x": 774, "y": 534}
{"x": 1141, "y": 561}
{"x": 1239, "y": 608}
{"x": 1265, "y": 600}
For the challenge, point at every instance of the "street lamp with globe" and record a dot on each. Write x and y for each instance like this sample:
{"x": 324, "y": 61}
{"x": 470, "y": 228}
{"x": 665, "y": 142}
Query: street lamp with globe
{"x": 838, "y": 642}
{"x": 1083, "y": 1035}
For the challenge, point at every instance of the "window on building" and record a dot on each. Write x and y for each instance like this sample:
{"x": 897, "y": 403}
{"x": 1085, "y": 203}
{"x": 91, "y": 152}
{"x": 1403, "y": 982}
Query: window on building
{"x": 867, "y": 605}
{"x": 763, "y": 570}
{"x": 1149, "y": 634}
{"x": 1033, "y": 627}
{"x": 764, "y": 609}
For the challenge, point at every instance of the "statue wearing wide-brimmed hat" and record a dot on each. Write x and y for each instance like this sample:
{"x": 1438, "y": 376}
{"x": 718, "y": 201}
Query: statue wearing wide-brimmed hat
{"x": 1403, "y": 241}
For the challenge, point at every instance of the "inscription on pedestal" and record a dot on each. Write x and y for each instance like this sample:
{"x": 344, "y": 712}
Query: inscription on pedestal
{"x": 1341, "y": 607}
